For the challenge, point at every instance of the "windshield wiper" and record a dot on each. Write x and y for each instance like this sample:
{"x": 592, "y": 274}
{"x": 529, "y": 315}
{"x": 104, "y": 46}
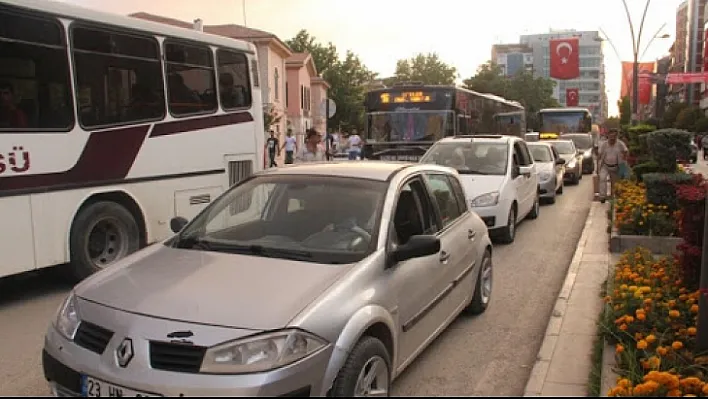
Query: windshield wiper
{"x": 260, "y": 250}
{"x": 472, "y": 172}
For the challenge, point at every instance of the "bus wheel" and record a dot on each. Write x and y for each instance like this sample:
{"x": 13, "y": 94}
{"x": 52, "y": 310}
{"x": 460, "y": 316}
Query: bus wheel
{"x": 102, "y": 233}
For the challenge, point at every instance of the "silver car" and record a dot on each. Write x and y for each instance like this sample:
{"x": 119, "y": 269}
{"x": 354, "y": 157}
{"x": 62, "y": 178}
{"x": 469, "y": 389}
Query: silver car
{"x": 573, "y": 160}
{"x": 551, "y": 168}
{"x": 306, "y": 280}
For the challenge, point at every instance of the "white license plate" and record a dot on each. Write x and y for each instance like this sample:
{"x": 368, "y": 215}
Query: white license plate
{"x": 93, "y": 388}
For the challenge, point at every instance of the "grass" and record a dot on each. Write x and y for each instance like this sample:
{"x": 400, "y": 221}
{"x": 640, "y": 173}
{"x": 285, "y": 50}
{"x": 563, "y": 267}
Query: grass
{"x": 598, "y": 347}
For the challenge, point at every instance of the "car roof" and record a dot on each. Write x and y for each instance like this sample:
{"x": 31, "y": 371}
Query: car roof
{"x": 539, "y": 143}
{"x": 369, "y": 169}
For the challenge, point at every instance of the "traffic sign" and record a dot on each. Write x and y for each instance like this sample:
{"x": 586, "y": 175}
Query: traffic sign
{"x": 332, "y": 108}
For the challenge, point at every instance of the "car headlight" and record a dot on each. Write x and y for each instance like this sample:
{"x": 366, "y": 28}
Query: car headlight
{"x": 262, "y": 352}
{"x": 572, "y": 163}
{"x": 68, "y": 318}
{"x": 488, "y": 199}
{"x": 545, "y": 176}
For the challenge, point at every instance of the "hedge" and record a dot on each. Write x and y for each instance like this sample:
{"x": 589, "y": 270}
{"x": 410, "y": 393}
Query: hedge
{"x": 661, "y": 187}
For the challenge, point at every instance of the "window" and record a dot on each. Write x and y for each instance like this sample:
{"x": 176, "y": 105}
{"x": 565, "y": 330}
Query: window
{"x": 234, "y": 87}
{"x": 35, "y": 90}
{"x": 413, "y": 214}
{"x": 445, "y": 197}
{"x": 118, "y": 77}
{"x": 302, "y": 97}
{"x": 190, "y": 79}
{"x": 459, "y": 194}
{"x": 277, "y": 84}
{"x": 521, "y": 153}
{"x": 287, "y": 94}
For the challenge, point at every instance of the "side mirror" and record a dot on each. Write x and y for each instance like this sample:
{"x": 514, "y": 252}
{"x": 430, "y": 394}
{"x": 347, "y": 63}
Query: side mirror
{"x": 515, "y": 171}
{"x": 417, "y": 247}
{"x": 177, "y": 224}
{"x": 560, "y": 161}
{"x": 525, "y": 170}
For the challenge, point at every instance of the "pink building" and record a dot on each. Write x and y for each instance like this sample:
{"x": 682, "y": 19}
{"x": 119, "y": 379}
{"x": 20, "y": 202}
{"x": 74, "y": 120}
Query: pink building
{"x": 305, "y": 91}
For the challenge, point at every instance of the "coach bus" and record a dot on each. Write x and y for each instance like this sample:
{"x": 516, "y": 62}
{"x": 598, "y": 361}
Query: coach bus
{"x": 109, "y": 127}
{"x": 405, "y": 120}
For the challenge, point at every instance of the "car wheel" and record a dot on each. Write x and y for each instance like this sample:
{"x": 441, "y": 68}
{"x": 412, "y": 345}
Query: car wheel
{"x": 367, "y": 371}
{"x": 102, "y": 233}
{"x": 536, "y": 209}
{"x": 509, "y": 231}
{"x": 483, "y": 287}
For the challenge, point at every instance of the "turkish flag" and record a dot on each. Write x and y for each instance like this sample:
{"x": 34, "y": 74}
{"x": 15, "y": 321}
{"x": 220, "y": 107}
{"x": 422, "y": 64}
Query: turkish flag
{"x": 645, "y": 90}
{"x": 572, "y": 97}
{"x": 565, "y": 58}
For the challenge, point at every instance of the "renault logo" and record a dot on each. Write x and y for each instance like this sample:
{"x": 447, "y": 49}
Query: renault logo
{"x": 124, "y": 352}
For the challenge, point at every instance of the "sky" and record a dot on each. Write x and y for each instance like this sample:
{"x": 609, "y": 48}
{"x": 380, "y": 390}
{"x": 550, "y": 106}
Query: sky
{"x": 462, "y": 32}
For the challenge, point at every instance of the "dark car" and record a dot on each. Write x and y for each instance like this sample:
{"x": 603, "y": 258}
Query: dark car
{"x": 585, "y": 144}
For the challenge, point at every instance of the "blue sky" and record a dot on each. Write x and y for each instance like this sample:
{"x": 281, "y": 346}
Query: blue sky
{"x": 460, "y": 31}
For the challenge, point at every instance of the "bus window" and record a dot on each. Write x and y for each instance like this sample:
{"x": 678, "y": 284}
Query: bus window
{"x": 190, "y": 79}
{"x": 411, "y": 125}
{"x": 234, "y": 87}
{"x": 35, "y": 89}
{"x": 118, "y": 77}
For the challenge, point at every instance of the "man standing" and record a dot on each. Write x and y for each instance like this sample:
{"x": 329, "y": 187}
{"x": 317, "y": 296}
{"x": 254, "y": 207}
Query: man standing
{"x": 612, "y": 152}
{"x": 290, "y": 146}
{"x": 273, "y": 147}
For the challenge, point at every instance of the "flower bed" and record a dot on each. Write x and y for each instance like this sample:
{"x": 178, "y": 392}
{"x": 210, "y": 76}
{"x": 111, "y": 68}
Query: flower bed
{"x": 651, "y": 318}
{"x": 634, "y": 215}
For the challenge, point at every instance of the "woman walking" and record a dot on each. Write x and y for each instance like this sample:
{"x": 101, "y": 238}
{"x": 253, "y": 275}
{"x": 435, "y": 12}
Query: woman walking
{"x": 312, "y": 151}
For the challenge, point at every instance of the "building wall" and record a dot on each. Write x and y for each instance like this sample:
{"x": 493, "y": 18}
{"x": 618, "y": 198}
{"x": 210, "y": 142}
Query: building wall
{"x": 592, "y": 70}
{"x": 319, "y": 94}
{"x": 298, "y": 110}
{"x": 277, "y": 78}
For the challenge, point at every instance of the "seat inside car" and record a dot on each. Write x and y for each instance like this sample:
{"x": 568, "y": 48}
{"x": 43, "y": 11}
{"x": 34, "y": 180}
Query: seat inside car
{"x": 406, "y": 221}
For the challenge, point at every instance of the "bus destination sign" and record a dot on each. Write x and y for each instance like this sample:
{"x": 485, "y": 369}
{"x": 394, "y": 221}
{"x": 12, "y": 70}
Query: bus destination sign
{"x": 406, "y": 97}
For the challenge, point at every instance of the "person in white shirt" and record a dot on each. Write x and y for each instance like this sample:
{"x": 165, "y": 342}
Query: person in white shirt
{"x": 312, "y": 151}
{"x": 354, "y": 146}
{"x": 612, "y": 152}
{"x": 290, "y": 147}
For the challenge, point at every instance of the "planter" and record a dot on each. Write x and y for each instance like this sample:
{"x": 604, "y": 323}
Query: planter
{"x": 656, "y": 244}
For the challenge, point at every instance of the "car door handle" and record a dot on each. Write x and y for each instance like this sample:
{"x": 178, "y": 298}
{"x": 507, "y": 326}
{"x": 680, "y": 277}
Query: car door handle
{"x": 471, "y": 234}
{"x": 444, "y": 257}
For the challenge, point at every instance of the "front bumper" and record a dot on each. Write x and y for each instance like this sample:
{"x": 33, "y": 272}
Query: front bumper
{"x": 571, "y": 174}
{"x": 495, "y": 217}
{"x": 65, "y": 364}
{"x": 548, "y": 188}
{"x": 588, "y": 165}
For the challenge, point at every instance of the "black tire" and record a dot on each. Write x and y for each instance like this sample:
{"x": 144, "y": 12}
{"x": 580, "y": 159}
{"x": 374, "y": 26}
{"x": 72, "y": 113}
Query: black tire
{"x": 536, "y": 209}
{"x": 508, "y": 233}
{"x": 366, "y": 349}
{"x": 123, "y": 229}
{"x": 479, "y": 303}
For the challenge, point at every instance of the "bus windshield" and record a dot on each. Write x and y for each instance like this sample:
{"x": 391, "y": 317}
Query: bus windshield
{"x": 565, "y": 122}
{"x": 410, "y": 126}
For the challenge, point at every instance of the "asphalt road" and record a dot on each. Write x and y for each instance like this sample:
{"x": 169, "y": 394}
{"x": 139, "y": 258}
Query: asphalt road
{"x": 491, "y": 354}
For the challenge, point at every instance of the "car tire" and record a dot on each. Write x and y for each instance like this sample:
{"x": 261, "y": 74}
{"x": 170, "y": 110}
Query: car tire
{"x": 121, "y": 237}
{"x": 366, "y": 352}
{"x": 483, "y": 287}
{"x": 508, "y": 233}
{"x": 536, "y": 208}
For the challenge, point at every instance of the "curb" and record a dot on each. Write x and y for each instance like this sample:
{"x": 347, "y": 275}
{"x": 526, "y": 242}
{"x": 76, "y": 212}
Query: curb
{"x": 539, "y": 372}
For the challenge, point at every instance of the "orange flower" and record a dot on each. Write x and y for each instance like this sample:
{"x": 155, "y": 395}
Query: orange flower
{"x": 691, "y": 331}
{"x": 619, "y": 348}
{"x": 674, "y": 314}
{"x": 642, "y": 344}
{"x": 651, "y": 338}
{"x": 694, "y": 309}
{"x": 662, "y": 351}
{"x": 676, "y": 345}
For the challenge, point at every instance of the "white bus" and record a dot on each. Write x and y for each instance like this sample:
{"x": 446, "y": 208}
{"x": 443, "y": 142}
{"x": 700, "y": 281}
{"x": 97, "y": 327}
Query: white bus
{"x": 109, "y": 127}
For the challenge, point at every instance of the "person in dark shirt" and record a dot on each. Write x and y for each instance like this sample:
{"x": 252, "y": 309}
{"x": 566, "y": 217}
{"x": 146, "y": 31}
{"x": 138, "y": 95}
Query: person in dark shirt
{"x": 273, "y": 147}
{"x": 10, "y": 115}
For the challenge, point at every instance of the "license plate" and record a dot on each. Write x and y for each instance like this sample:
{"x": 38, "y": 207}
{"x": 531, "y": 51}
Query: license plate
{"x": 93, "y": 388}
{"x": 407, "y": 158}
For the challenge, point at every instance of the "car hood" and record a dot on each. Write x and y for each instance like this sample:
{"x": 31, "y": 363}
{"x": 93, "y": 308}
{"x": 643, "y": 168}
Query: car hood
{"x": 238, "y": 291}
{"x": 544, "y": 166}
{"x": 475, "y": 185}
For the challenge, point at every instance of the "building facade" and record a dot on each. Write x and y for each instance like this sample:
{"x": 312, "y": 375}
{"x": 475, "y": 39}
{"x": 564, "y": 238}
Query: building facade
{"x": 591, "y": 83}
{"x": 513, "y": 58}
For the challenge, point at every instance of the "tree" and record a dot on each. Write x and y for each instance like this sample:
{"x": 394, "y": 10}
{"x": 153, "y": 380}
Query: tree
{"x": 426, "y": 68}
{"x": 270, "y": 118}
{"x": 687, "y": 118}
{"x": 672, "y": 113}
{"x": 625, "y": 110}
{"x": 345, "y": 77}
{"x": 534, "y": 93}
{"x": 324, "y": 57}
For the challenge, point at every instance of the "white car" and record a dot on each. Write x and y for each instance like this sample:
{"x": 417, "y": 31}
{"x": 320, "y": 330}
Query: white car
{"x": 498, "y": 175}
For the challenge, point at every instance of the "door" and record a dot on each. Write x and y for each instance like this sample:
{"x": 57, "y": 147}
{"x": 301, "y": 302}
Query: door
{"x": 418, "y": 281}
{"x": 526, "y": 186}
{"x": 560, "y": 169}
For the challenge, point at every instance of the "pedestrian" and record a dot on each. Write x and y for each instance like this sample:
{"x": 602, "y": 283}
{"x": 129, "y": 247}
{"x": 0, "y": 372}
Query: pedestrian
{"x": 354, "y": 146}
{"x": 329, "y": 141}
{"x": 290, "y": 147}
{"x": 611, "y": 153}
{"x": 312, "y": 151}
{"x": 272, "y": 147}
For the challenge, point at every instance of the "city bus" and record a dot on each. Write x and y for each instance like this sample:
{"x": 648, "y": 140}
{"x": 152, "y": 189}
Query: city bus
{"x": 109, "y": 127}
{"x": 403, "y": 121}
{"x": 565, "y": 120}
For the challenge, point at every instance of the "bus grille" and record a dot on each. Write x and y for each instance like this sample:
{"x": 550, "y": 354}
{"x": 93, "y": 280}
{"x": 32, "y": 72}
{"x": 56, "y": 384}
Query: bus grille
{"x": 239, "y": 170}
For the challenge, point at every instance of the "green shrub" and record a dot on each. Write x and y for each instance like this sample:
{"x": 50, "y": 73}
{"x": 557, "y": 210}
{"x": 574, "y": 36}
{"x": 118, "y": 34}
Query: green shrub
{"x": 661, "y": 187}
{"x": 666, "y": 146}
{"x": 645, "y": 167}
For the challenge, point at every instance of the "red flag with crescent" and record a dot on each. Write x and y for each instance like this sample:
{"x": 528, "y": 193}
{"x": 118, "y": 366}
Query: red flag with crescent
{"x": 572, "y": 97}
{"x": 565, "y": 58}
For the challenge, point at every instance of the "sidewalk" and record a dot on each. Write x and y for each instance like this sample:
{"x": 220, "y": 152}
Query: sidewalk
{"x": 564, "y": 362}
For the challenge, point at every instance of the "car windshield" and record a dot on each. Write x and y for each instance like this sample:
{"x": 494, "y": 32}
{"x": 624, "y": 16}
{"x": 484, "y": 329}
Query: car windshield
{"x": 309, "y": 218}
{"x": 470, "y": 157}
{"x": 541, "y": 153}
{"x": 582, "y": 142}
{"x": 564, "y": 147}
